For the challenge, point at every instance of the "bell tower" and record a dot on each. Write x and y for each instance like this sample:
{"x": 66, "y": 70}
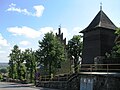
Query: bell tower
{"x": 98, "y": 37}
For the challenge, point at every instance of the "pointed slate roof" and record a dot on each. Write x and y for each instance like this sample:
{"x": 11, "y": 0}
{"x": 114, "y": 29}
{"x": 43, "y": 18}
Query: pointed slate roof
{"x": 100, "y": 20}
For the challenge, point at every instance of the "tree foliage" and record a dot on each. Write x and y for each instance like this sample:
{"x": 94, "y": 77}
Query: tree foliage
{"x": 50, "y": 52}
{"x": 22, "y": 64}
{"x": 30, "y": 63}
{"x": 3, "y": 70}
{"x": 115, "y": 52}
{"x": 74, "y": 49}
{"x": 14, "y": 63}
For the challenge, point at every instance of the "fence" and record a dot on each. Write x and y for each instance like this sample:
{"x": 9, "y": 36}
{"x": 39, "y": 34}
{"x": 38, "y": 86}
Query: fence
{"x": 100, "y": 67}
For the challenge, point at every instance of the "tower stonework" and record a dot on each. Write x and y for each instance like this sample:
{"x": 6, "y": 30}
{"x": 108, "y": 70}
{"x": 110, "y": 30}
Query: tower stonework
{"x": 98, "y": 38}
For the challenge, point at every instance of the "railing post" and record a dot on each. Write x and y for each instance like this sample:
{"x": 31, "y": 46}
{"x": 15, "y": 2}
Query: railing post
{"x": 107, "y": 68}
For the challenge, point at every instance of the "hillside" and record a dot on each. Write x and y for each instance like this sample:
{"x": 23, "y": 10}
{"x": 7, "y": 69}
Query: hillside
{"x": 3, "y": 65}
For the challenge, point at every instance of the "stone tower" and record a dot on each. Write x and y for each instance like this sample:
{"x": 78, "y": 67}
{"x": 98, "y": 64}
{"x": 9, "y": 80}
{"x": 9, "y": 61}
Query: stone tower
{"x": 98, "y": 38}
{"x": 60, "y": 36}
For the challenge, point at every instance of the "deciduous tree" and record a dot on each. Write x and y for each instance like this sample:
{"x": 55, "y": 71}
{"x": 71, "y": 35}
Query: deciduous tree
{"x": 50, "y": 52}
{"x": 74, "y": 49}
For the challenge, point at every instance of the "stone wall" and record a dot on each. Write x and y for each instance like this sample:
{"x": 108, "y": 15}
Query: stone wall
{"x": 85, "y": 82}
{"x": 61, "y": 85}
{"x": 106, "y": 83}
{"x": 100, "y": 82}
{"x": 74, "y": 82}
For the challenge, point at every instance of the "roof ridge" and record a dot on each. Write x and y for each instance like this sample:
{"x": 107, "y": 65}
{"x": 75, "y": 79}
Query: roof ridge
{"x": 100, "y": 18}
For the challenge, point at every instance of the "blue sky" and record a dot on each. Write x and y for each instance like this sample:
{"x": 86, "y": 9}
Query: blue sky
{"x": 24, "y": 22}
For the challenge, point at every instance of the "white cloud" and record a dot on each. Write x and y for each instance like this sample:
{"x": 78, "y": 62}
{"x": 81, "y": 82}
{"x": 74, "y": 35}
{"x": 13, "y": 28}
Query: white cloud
{"x": 45, "y": 30}
{"x": 26, "y": 31}
{"x": 32, "y": 33}
{"x": 29, "y": 32}
{"x": 4, "y": 58}
{"x": 25, "y": 43}
{"x": 2, "y": 51}
{"x": 22, "y": 49}
{"x": 3, "y": 42}
{"x": 76, "y": 31}
{"x": 38, "y": 8}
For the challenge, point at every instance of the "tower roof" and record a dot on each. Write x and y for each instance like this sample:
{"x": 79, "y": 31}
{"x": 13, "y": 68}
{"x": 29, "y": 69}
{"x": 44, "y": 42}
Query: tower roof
{"x": 100, "y": 20}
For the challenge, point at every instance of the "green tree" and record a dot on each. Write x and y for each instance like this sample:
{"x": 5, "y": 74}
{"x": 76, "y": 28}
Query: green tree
{"x": 1, "y": 76}
{"x": 22, "y": 64}
{"x": 74, "y": 49}
{"x": 15, "y": 63}
{"x": 115, "y": 52}
{"x": 22, "y": 72}
{"x": 30, "y": 64}
{"x": 3, "y": 70}
{"x": 50, "y": 52}
{"x": 11, "y": 66}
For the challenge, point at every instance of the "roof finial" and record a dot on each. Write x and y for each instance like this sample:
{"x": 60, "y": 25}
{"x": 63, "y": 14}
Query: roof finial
{"x": 101, "y": 6}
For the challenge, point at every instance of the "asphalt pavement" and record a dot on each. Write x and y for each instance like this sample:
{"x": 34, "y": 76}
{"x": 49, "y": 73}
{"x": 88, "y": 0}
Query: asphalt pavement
{"x": 16, "y": 86}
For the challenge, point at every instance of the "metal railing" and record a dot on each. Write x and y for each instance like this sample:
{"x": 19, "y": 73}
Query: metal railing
{"x": 100, "y": 67}
{"x": 82, "y": 68}
{"x": 60, "y": 77}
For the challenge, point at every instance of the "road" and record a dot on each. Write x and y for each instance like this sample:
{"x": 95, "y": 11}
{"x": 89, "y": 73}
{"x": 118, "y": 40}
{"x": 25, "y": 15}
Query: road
{"x": 16, "y": 86}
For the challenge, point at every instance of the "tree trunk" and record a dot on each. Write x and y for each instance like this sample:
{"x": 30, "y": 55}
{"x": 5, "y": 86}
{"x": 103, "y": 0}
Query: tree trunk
{"x": 50, "y": 70}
